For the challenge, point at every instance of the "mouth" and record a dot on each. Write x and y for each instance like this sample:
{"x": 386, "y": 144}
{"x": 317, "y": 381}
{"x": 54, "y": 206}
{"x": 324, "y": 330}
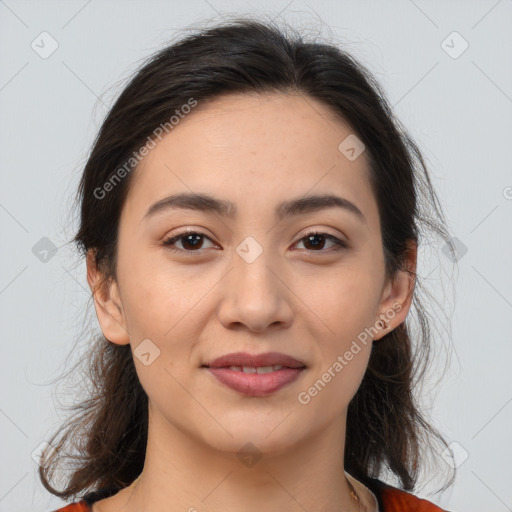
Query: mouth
{"x": 250, "y": 369}
{"x": 256, "y": 375}
{"x": 264, "y": 360}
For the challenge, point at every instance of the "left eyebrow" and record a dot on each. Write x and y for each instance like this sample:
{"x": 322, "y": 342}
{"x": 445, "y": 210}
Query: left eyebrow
{"x": 207, "y": 203}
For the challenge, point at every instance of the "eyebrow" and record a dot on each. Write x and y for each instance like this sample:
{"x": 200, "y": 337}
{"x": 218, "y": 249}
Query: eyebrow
{"x": 207, "y": 203}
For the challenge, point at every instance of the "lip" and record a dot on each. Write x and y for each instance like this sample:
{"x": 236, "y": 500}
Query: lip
{"x": 255, "y": 360}
{"x": 256, "y": 384}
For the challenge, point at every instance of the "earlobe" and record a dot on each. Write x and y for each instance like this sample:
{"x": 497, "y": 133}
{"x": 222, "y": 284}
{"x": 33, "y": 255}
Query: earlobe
{"x": 398, "y": 294}
{"x": 107, "y": 303}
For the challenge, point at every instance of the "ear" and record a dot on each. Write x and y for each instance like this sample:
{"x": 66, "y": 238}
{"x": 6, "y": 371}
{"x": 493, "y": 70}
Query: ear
{"x": 107, "y": 303}
{"x": 397, "y": 295}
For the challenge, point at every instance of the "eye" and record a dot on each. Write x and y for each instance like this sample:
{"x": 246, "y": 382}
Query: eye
{"x": 192, "y": 240}
{"x": 317, "y": 240}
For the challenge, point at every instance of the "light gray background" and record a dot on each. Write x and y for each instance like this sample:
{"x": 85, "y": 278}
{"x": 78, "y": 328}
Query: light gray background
{"x": 459, "y": 110}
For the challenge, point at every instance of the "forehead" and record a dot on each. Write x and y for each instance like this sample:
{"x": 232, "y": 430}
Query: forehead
{"x": 254, "y": 150}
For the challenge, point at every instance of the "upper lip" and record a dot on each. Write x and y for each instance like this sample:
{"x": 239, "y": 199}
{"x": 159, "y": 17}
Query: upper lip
{"x": 255, "y": 360}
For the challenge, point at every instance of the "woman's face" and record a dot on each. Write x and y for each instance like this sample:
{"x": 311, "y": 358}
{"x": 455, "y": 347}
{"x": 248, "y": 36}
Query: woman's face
{"x": 252, "y": 281}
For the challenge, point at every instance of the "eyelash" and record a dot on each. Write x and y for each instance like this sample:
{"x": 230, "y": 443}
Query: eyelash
{"x": 339, "y": 244}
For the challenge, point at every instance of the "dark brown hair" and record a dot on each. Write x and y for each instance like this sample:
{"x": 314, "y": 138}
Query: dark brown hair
{"x": 385, "y": 428}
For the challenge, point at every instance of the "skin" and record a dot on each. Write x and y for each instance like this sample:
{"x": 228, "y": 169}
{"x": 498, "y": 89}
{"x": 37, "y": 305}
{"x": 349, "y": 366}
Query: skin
{"x": 308, "y": 302}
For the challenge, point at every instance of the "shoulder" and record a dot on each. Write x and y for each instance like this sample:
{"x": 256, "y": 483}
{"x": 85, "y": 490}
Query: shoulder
{"x": 392, "y": 499}
{"x": 86, "y": 501}
{"x": 77, "y": 506}
{"x": 397, "y": 500}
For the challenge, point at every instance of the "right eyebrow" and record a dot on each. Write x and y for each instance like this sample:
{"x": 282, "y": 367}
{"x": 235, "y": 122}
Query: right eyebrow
{"x": 207, "y": 203}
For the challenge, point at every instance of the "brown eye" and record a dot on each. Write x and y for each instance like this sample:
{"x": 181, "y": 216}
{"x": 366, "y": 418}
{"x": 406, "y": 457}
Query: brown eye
{"x": 190, "y": 240}
{"x": 193, "y": 241}
{"x": 315, "y": 242}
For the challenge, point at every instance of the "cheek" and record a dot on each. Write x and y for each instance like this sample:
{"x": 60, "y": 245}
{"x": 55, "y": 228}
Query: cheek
{"x": 157, "y": 294}
{"x": 346, "y": 306}
{"x": 166, "y": 307}
{"x": 330, "y": 389}
{"x": 345, "y": 299}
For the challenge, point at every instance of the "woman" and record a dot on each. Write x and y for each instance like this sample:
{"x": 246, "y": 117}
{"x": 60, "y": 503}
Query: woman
{"x": 250, "y": 216}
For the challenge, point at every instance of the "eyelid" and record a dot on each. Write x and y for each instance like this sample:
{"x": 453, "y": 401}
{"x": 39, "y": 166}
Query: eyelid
{"x": 339, "y": 243}
{"x": 324, "y": 232}
{"x": 169, "y": 240}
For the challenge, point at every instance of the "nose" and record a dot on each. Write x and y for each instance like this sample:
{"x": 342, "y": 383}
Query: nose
{"x": 255, "y": 296}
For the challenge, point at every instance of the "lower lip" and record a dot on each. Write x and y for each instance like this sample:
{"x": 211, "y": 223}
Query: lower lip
{"x": 256, "y": 384}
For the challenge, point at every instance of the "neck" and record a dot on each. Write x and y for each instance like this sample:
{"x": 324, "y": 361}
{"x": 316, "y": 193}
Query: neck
{"x": 182, "y": 473}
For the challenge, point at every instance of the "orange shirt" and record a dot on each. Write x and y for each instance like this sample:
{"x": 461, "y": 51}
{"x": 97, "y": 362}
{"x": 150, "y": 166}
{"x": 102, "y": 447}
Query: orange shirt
{"x": 390, "y": 499}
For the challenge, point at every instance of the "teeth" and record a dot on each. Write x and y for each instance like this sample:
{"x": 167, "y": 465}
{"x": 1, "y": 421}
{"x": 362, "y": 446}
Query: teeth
{"x": 260, "y": 369}
{"x": 265, "y": 369}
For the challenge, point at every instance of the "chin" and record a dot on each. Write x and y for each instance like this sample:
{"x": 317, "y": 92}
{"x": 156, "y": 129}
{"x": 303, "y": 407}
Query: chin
{"x": 263, "y": 439}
